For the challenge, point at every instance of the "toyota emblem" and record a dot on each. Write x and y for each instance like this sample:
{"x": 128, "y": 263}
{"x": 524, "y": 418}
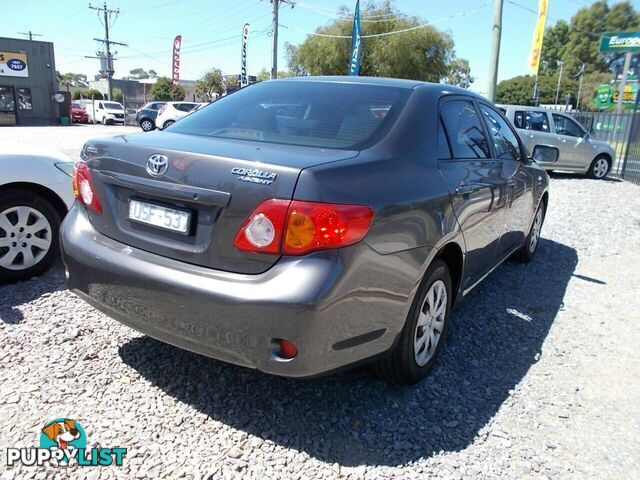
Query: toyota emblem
{"x": 157, "y": 165}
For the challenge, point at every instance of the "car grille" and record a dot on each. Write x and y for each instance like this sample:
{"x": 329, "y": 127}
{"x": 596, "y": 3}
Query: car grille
{"x": 119, "y": 115}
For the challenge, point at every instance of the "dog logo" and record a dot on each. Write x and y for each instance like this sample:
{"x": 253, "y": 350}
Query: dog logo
{"x": 63, "y": 443}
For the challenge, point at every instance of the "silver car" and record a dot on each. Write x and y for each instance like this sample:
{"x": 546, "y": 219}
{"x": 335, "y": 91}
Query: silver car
{"x": 578, "y": 151}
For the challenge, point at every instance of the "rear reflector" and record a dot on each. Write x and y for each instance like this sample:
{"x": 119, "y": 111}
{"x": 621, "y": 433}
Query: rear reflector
{"x": 298, "y": 227}
{"x": 83, "y": 188}
{"x": 287, "y": 349}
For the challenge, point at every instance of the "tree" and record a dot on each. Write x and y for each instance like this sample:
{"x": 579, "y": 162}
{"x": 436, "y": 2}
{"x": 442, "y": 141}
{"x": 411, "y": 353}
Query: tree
{"x": 460, "y": 73}
{"x": 97, "y": 95}
{"x": 161, "y": 90}
{"x": 138, "y": 73}
{"x": 265, "y": 74}
{"x": 519, "y": 90}
{"x": 117, "y": 95}
{"x": 70, "y": 79}
{"x": 420, "y": 54}
{"x": 211, "y": 85}
{"x": 152, "y": 73}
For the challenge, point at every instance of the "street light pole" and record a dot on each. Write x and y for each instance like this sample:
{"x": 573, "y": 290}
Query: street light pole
{"x": 559, "y": 80}
{"x": 494, "y": 59}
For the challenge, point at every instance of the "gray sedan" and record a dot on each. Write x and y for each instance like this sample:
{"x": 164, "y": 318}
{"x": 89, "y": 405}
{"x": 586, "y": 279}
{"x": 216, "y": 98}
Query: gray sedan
{"x": 301, "y": 226}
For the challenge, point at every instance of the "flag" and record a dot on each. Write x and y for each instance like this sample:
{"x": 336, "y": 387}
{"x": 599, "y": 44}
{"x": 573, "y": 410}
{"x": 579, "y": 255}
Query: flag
{"x": 356, "y": 45}
{"x": 176, "y": 62}
{"x": 244, "y": 79}
{"x": 538, "y": 36}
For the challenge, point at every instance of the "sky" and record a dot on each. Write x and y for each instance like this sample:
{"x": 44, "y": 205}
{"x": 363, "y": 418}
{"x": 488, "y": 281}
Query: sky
{"x": 211, "y": 31}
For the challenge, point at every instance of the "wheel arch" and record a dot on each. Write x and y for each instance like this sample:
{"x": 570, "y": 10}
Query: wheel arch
{"x": 451, "y": 254}
{"x": 47, "y": 193}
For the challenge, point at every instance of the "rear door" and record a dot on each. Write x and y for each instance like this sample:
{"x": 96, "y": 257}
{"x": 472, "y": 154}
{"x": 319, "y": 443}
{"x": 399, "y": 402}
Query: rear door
{"x": 518, "y": 179}
{"x": 475, "y": 183}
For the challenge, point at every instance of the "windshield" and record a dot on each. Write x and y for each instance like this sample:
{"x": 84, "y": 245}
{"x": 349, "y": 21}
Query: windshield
{"x": 316, "y": 114}
{"x": 113, "y": 106}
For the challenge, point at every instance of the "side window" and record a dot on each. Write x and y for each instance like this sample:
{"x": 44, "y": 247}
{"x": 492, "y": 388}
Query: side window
{"x": 100, "y": 105}
{"x": 464, "y": 130}
{"x": 531, "y": 120}
{"x": 444, "y": 152}
{"x": 504, "y": 139}
{"x": 566, "y": 126}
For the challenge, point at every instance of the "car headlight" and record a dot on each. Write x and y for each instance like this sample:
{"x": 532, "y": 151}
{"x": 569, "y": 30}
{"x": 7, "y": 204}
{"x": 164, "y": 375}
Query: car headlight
{"x": 65, "y": 167}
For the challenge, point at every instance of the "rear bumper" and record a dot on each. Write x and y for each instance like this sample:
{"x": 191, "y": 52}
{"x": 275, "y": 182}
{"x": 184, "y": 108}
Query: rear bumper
{"x": 321, "y": 302}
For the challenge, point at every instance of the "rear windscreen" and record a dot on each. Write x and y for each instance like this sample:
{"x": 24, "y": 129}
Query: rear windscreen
{"x": 316, "y": 114}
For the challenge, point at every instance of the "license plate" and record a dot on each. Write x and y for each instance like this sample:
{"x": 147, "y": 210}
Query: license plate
{"x": 159, "y": 216}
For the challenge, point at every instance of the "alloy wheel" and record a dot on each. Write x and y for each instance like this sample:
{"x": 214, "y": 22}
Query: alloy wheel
{"x": 535, "y": 231}
{"x": 430, "y": 323}
{"x": 25, "y": 237}
{"x": 600, "y": 168}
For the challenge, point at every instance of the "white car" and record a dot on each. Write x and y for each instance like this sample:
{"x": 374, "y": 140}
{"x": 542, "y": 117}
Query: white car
{"x": 105, "y": 112}
{"x": 35, "y": 194}
{"x": 171, "y": 112}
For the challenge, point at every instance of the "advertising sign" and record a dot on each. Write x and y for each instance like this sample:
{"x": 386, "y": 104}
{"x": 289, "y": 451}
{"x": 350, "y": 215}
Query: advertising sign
{"x": 607, "y": 97}
{"x": 538, "y": 37}
{"x": 620, "y": 42}
{"x": 176, "y": 61}
{"x": 244, "y": 79}
{"x": 13, "y": 64}
{"x": 354, "y": 66}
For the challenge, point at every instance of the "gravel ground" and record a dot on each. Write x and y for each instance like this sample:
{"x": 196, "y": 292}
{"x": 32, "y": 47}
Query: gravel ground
{"x": 538, "y": 378}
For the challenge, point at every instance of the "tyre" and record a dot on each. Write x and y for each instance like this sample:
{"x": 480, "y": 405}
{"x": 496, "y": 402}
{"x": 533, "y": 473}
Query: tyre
{"x": 599, "y": 167}
{"x": 146, "y": 125}
{"x": 29, "y": 227}
{"x": 168, "y": 123}
{"x": 424, "y": 331}
{"x": 526, "y": 252}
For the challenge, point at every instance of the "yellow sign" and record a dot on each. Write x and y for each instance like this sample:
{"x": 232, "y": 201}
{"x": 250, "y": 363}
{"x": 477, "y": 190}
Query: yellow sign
{"x": 538, "y": 36}
{"x": 13, "y": 64}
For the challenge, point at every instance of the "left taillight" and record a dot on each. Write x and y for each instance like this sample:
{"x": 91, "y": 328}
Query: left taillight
{"x": 83, "y": 188}
{"x": 297, "y": 227}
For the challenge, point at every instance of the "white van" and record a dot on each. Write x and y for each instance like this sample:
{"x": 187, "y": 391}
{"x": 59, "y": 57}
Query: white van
{"x": 104, "y": 111}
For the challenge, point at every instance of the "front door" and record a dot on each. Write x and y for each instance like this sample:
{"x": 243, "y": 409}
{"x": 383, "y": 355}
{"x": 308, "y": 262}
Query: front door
{"x": 475, "y": 184}
{"x": 575, "y": 148}
{"x": 7, "y": 106}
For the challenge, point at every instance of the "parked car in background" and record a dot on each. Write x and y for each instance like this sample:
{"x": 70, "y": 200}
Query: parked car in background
{"x": 78, "y": 113}
{"x": 130, "y": 116}
{"x": 578, "y": 151}
{"x": 338, "y": 227}
{"x": 35, "y": 194}
{"x": 171, "y": 112}
{"x": 105, "y": 112}
{"x": 146, "y": 115}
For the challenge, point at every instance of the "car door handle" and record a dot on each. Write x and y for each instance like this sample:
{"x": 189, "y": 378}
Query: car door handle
{"x": 469, "y": 187}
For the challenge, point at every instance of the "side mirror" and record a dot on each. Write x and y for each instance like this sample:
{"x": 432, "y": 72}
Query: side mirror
{"x": 586, "y": 136}
{"x": 545, "y": 154}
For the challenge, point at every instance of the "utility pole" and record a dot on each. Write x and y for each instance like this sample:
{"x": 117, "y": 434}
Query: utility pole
{"x": 494, "y": 59}
{"x": 107, "y": 15}
{"x": 581, "y": 75}
{"x": 559, "y": 80}
{"x": 29, "y": 34}
{"x": 274, "y": 35}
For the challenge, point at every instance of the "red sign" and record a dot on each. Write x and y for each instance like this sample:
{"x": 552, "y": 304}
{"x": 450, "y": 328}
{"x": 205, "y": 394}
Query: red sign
{"x": 176, "y": 61}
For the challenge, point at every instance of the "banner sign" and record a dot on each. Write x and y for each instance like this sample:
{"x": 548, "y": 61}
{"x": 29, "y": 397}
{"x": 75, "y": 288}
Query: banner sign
{"x": 244, "y": 79}
{"x": 177, "y": 42}
{"x": 607, "y": 96}
{"x": 620, "y": 42}
{"x": 13, "y": 64}
{"x": 356, "y": 45}
{"x": 538, "y": 36}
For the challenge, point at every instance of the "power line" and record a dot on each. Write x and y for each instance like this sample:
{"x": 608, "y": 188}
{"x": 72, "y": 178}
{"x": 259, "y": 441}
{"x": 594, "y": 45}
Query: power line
{"x": 30, "y": 34}
{"x": 107, "y": 42}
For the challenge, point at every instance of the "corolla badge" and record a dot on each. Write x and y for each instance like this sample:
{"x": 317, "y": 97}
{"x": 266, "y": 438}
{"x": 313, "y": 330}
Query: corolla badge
{"x": 157, "y": 165}
{"x": 254, "y": 176}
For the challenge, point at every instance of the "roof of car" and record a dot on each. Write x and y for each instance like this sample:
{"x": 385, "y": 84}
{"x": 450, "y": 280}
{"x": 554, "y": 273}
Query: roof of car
{"x": 530, "y": 108}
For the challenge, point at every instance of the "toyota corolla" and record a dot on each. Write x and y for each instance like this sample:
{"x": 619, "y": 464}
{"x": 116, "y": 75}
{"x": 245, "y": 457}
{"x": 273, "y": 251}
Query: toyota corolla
{"x": 300, "y": 226}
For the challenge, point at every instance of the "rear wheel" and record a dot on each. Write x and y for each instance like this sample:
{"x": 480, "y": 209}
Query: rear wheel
{"x": 146, "y": 125}
{"x": 168, "y": 123}
{"x": 424, "y": 330}
{"x": 29, "y": 227}
{"x": 526, "y": 252}
{"x": 599, "y": 167}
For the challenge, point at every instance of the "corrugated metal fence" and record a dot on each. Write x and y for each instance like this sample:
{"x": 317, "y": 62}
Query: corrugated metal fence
{"x": 622, "y": 132}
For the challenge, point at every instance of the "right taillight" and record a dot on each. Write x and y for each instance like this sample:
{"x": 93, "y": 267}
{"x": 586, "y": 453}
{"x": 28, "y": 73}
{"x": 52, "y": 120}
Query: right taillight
{"x": 83, "y": 187}
{"x": 298, "y": 227}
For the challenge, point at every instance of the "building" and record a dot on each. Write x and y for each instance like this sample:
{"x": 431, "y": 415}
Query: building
{"x": 27, "y": 82}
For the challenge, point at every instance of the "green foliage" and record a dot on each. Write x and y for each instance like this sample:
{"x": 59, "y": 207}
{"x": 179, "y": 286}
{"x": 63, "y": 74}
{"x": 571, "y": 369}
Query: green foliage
{"x": 421, "y": 54}
{"x": 577, "y": 42}
{"x": 265, "y": 74}
{"x": 211, "y": 85}
{"x": 70, "y": 79}
{"x": 460, "y": 73}
{"x": 589, "y": 84}
{"x": 87, "y": 94}
{"x": 139, "y": 73}
{"x": 519, "y": 90}
{"x": 116, "y": 95}
{"x": 161, "y": 90}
